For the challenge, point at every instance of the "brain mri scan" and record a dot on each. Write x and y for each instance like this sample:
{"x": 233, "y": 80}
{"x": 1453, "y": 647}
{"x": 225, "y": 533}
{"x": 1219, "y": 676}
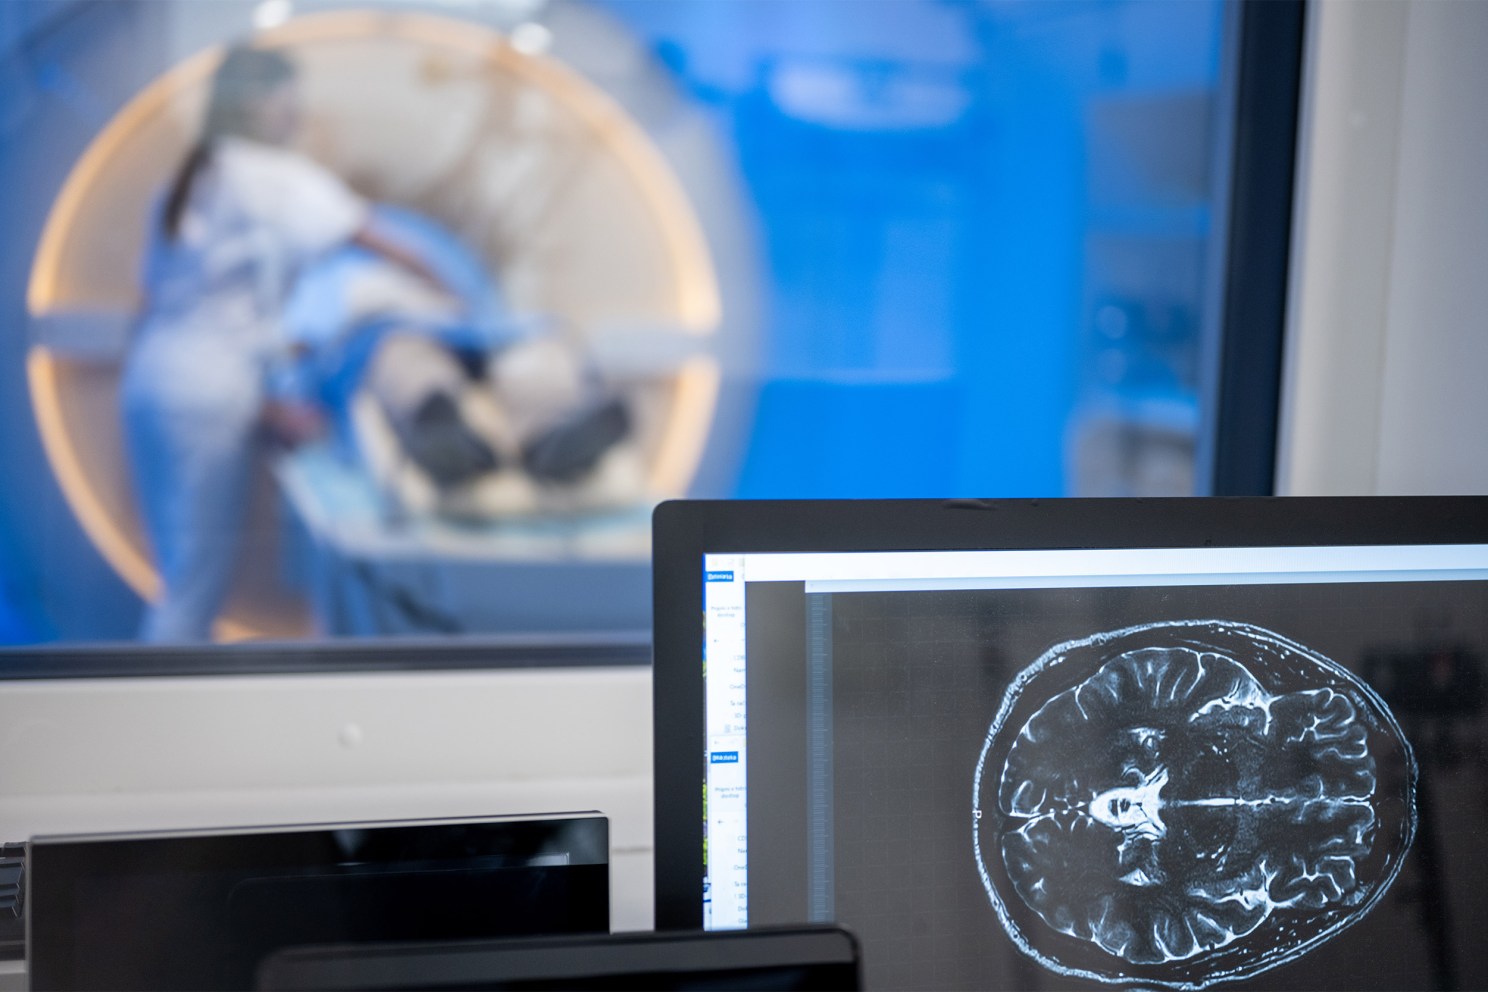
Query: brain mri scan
{"x": 1188, "y": 803}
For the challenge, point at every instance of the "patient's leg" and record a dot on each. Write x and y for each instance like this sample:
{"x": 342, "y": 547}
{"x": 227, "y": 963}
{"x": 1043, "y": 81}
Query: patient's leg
{"x": 449, "y": 428}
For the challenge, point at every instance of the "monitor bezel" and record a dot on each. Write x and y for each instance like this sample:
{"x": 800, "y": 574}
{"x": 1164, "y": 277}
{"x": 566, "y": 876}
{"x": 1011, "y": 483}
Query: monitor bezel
{"x": 683, "y": 531}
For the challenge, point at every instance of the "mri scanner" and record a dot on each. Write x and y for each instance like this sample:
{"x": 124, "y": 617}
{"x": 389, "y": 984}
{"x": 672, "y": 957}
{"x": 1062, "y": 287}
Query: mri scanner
{"x": 568, "y": 198}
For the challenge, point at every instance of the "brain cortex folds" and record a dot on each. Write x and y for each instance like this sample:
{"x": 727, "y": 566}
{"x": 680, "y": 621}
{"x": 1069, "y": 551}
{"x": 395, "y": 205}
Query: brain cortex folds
{"x": 1185, "y": 803}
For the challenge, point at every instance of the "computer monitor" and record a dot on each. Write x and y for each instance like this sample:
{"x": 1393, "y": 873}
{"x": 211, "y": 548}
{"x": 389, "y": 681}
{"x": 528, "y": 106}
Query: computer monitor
{"x": 1029, "y": 744}
{"x": 201, "y": 909}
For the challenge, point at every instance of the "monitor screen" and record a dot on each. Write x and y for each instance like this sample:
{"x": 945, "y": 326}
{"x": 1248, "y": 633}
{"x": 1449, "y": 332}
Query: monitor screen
{"x": 1036, "y": 745}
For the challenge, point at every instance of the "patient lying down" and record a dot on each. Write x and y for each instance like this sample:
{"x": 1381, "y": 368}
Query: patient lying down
{"x": 452, "y": 405}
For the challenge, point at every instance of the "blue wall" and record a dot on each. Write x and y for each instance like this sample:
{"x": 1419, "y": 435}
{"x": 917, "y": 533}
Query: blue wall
{"x": 924, "y": 187}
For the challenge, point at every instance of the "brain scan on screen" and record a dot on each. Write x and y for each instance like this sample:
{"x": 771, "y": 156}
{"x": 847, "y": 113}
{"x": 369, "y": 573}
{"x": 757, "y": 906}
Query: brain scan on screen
{"x": 1188, "y": 803}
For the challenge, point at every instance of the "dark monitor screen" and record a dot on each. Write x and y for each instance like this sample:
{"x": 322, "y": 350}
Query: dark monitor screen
{"x": 201, "y": 910}
{"x": 1177, "y": 744}
{"x": 796, "y": 958}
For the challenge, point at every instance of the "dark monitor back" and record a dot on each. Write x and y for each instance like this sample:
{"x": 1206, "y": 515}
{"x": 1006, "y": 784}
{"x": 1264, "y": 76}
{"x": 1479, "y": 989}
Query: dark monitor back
{"x": 199, "y": 911}
{"x": 785, "y": 958}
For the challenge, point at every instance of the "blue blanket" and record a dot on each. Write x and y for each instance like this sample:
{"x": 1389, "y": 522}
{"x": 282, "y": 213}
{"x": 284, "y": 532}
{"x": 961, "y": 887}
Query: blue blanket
{"x": 337, "y": 344}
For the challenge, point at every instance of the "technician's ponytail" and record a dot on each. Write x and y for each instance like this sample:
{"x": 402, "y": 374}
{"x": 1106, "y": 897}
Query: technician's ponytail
{"x": 180, "y": 189}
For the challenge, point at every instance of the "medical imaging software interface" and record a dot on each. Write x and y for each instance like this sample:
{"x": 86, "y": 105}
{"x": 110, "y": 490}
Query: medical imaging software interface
{"x": 1164, "y": 768}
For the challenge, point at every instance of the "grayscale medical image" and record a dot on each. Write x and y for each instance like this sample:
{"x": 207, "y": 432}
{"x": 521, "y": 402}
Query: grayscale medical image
{"x": 1188, "y": 802}
{"x": 1227, "y": 788}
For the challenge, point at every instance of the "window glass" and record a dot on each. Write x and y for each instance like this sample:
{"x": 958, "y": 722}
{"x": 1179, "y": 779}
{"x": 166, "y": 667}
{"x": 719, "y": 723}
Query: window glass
{"x": 327, "y": 320}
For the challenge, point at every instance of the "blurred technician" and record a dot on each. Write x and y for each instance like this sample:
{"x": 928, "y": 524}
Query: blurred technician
{"x": 243, "y": 214}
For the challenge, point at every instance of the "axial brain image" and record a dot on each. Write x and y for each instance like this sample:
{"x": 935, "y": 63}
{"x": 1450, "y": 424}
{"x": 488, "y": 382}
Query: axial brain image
{"x": 1188, "y": 803}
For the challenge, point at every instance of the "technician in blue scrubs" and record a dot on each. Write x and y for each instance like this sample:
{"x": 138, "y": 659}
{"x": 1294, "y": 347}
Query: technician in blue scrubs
{"x": 243, "y": 215}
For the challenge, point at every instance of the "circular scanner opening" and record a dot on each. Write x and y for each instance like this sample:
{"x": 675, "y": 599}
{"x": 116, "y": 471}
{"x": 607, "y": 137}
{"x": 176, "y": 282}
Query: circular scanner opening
{"x": 561, "y": 192}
